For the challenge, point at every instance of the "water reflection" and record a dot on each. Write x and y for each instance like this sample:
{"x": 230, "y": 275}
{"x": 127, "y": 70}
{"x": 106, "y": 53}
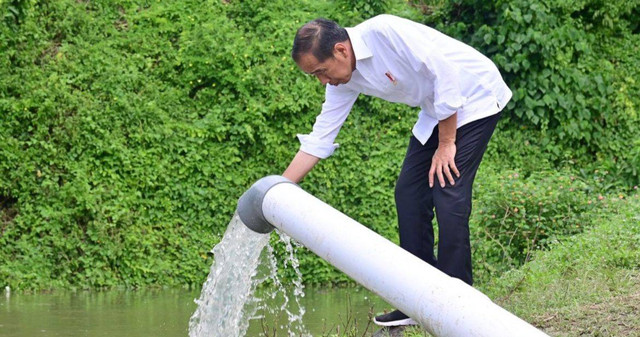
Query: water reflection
{"x": 113, "y": 313}
{"x": 161, "y": 312}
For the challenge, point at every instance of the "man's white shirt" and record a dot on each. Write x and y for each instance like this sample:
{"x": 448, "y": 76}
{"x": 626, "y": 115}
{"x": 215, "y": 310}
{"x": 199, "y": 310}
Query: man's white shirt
{"x": 402, "y": 61}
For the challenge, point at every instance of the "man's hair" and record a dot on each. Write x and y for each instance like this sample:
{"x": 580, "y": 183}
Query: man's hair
{"x": 318, "y": 37}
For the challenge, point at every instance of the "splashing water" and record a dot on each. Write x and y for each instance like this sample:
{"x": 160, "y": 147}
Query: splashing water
{"x": 294, "y": 311}
{"x": 226, "y": 303}
{"x": 229, "y": 286}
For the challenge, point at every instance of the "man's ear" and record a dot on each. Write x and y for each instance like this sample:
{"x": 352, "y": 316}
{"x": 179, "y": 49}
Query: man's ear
{"x": 341, "y": 49}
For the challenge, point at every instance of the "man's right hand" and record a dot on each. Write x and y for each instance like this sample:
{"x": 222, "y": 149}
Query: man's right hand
{"x": 301, "y": 164}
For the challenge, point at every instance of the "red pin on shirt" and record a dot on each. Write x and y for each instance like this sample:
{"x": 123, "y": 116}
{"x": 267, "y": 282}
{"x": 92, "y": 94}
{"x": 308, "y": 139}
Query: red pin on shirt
{"x": 391, "y": 78}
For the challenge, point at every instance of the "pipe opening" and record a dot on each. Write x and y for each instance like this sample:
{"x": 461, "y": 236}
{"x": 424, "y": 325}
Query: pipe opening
{"x": 250, "y": 203}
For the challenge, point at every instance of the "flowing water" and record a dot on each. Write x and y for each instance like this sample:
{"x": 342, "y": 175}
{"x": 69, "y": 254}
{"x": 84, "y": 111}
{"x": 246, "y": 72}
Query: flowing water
{"x": 227, "y": 301}
{"x": 229, "y": 286}
{"x": 275, "y": 301}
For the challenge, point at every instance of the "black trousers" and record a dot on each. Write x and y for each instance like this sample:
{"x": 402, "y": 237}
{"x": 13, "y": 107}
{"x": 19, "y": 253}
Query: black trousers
{"x": 416, "y": 201}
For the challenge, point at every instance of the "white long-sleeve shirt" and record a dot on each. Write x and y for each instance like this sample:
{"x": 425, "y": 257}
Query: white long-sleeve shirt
{"x": 403, "y": 61}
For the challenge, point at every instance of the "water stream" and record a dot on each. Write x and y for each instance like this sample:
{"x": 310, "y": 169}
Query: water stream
{"x": 228, "y": 300}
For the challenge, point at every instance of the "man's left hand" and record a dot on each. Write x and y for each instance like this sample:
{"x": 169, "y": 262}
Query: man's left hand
{"x": 443, "y": 164}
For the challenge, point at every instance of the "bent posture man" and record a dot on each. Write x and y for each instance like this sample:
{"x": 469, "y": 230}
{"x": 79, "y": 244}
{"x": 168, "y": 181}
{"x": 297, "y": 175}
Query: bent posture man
{"x": 460, "y": 93}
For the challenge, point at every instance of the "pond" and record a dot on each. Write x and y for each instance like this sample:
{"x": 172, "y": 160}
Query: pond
{"x": 165, "y": 312}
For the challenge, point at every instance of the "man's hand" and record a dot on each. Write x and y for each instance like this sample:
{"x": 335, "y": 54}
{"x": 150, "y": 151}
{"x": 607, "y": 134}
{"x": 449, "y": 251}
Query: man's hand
{"x": 301, "y": 164}
{"x": 443, "y": 164}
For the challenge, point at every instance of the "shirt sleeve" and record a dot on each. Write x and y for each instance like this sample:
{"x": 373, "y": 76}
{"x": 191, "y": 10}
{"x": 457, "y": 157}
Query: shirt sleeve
{"x": 335, "y": 109}
{"x": 419, "y": 46}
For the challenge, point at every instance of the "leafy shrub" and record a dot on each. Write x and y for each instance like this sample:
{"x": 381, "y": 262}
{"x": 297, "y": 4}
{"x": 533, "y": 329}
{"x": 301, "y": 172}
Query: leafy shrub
{"x": 515, "y": 215}
{"x": 572, "y": 66}
{"x": 14, "y": 11}
{"x": 128, "y": 130}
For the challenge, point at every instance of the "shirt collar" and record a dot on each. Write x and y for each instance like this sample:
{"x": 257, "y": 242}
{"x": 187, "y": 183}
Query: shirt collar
{"x": 360, "y": 48}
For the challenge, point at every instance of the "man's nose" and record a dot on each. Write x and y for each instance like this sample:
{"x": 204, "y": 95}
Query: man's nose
{"x": 323, "y": 79}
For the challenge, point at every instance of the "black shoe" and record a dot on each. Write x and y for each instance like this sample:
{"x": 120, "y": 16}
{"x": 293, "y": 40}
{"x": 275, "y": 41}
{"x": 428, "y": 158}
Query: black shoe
{"x": 394, "y": 318}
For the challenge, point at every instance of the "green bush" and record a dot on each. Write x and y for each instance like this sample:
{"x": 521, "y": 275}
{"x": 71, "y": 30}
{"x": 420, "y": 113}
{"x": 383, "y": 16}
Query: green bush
{"x": 515, "y": 215}
{"x": 572, "y": 66}
{"x": 129, "y": 129}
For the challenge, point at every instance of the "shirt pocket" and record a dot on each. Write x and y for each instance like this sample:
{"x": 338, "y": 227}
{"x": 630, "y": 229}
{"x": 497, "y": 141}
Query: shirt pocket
{"x": 399, "y": 88}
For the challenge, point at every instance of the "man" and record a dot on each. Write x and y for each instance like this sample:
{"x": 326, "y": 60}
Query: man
{"x": 460, "y": 93}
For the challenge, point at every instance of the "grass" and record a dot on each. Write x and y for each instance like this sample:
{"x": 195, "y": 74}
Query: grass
{"x": 586, "y": 285}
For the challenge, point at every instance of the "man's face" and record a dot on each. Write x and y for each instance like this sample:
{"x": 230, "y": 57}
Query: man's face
{"x": 334, "y": 70}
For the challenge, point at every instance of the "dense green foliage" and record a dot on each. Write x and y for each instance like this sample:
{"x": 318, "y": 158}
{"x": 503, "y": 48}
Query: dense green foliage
{"x": 573, "y": 67}
{"x": 128, "y": 129}
{"x": 516, "y": 215}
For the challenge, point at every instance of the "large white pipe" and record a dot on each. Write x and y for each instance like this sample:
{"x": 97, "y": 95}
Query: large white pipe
{"x": 443, "y": 305}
